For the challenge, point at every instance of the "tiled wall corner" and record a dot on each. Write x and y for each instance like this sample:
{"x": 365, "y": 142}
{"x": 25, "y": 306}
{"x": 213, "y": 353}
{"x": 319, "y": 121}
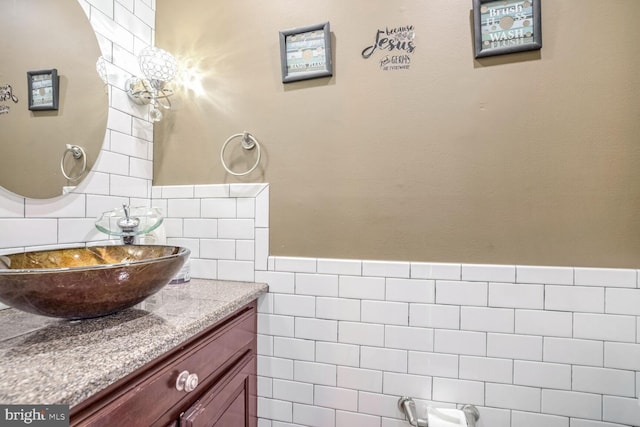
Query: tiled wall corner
{"x": 225, "y": 226}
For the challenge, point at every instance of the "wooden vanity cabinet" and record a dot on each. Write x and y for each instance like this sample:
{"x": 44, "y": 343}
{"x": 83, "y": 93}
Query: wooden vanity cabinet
{"x": 224, "y": 359}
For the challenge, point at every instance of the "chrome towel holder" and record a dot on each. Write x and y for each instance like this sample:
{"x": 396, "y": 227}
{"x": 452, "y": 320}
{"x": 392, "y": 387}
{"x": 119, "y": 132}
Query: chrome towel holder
{"x": 249, "y": 142}
{"x": 78, "y": 153}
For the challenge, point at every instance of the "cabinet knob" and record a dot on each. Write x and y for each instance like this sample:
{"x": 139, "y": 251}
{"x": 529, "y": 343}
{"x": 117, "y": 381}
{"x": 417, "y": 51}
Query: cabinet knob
{"x": 186, "y": 381}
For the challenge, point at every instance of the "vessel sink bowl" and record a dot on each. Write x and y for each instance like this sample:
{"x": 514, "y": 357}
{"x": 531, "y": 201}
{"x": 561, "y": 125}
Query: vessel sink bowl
{"x": 86, "y": 282}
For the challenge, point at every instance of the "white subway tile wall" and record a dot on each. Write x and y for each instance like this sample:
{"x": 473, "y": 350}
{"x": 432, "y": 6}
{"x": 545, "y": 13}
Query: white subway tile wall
{"x": 223, "y": 225}
{"x": 528, "y": 345}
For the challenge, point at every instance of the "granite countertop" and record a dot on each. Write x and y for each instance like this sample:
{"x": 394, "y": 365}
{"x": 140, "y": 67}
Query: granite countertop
{"x": 54, "y": 361}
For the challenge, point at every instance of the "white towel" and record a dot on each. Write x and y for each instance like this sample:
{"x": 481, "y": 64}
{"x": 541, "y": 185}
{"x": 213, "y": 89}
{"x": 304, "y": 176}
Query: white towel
{"x": 444, "y": 417}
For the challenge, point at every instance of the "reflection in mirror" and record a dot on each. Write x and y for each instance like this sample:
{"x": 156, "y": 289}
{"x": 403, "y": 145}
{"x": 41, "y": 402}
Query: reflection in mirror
{"x": 40, "y": 35}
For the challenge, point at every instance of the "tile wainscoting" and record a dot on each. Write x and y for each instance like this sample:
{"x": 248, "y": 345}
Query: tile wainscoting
{"x": 341, "y": 340}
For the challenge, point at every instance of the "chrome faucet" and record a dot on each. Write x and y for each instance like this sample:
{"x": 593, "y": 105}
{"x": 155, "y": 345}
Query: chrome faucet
{"x": 129, "y": 222}
{"x": 129, "y": 227}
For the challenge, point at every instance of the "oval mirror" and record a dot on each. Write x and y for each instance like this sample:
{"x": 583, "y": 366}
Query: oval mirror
{"x": 38, "y": 35}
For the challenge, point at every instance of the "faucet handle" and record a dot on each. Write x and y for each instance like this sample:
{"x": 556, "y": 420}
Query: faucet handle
{"x": 128, "y": 224}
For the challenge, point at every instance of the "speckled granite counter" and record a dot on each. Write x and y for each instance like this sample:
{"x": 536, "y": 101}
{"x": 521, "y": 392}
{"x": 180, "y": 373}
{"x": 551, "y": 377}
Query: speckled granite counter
{"x": 52, "y": 361}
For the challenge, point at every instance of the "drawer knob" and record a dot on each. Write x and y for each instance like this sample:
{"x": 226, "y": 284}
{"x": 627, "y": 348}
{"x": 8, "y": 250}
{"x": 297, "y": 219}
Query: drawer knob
{"x": 186, "y": 381}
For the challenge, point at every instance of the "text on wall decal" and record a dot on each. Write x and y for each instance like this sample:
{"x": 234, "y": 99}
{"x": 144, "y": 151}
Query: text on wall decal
{"x": 6, "y": 95}
{"x": 396, "y": 44}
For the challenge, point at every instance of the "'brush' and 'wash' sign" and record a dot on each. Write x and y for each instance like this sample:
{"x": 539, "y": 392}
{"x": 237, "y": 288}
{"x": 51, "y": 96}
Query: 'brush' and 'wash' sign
{"x": 506, "y": 23}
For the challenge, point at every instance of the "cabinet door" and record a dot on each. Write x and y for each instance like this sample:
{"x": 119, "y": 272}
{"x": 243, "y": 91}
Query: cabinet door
{"x": 231, "y": 402}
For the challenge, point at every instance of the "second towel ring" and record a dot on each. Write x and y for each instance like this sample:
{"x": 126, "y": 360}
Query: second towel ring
{"x": 249, "y": 142}
{"x": 78, "y": 153}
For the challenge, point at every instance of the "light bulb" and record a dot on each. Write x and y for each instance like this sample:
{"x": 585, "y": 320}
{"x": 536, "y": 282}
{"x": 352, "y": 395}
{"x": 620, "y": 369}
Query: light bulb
{"x": 101, "y": 68}
{"x": 157, "y": 64}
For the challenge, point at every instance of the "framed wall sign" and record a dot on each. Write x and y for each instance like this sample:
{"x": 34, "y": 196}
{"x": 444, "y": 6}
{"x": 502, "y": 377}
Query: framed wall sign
{"x": 305, "y": 53}
{"x": 43, "y": 89}
{"x": 506, "y": 26}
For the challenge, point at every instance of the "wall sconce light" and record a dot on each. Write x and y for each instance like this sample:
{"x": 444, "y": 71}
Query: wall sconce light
{"x": 158, "y": 67}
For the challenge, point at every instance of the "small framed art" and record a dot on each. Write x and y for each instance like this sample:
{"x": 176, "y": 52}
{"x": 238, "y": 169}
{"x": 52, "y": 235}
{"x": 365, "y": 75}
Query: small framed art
{"x": 506, "y": 26}
{"x": 43, "y": 89}
{"x": 305, "y": 53}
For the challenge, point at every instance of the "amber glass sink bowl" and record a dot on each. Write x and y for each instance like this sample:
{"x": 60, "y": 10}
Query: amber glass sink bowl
{"x": 85, "y": 282}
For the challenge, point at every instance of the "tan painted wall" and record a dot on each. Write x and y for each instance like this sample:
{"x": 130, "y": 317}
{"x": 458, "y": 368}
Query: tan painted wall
{"x": 531, "y": 158}
{"x": 37, "y": 35}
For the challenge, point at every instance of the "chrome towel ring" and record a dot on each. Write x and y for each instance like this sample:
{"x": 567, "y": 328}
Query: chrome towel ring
{"x": 249, "y": 142}
{"x": 78, "y": 153}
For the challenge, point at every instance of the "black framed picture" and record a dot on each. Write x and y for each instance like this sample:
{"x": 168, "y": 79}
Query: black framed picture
{"x": 305, "y": 52}
{"x": 43, "y": 87}
{"x": 506, "y": 26}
